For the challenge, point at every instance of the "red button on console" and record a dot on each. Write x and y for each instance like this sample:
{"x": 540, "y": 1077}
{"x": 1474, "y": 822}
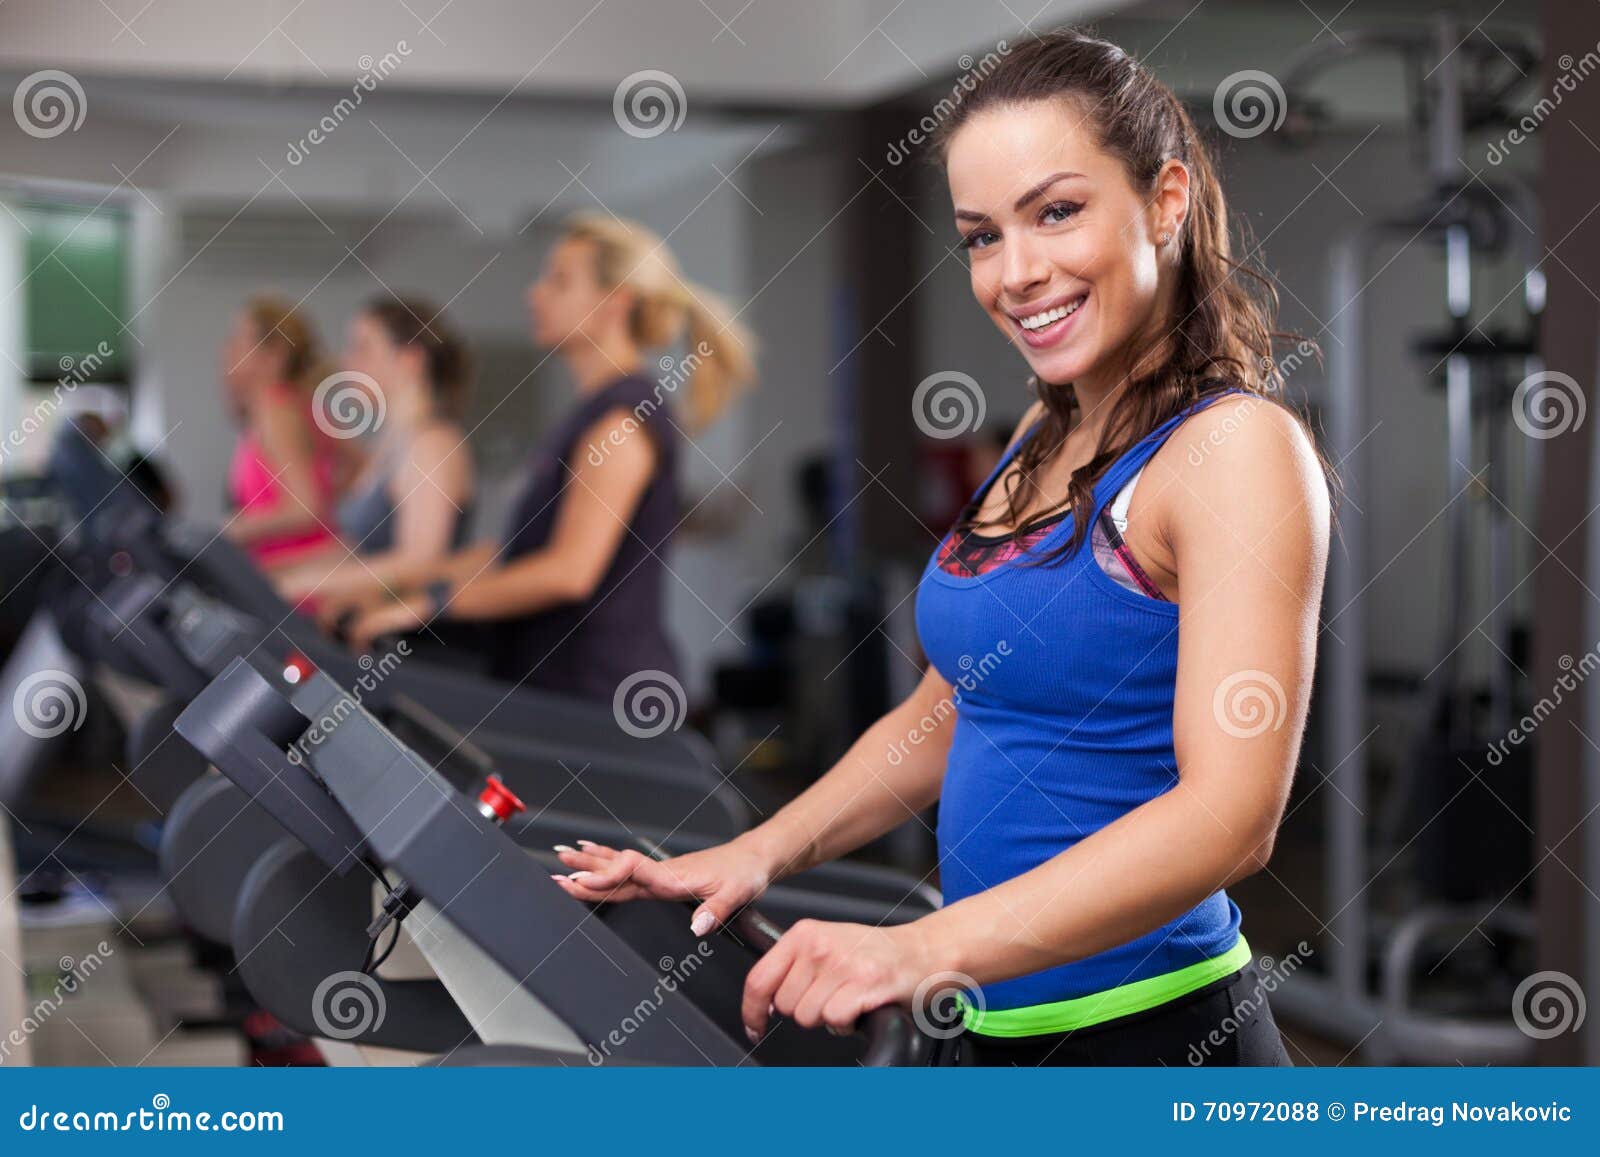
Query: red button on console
{"x": 500, "y": 799}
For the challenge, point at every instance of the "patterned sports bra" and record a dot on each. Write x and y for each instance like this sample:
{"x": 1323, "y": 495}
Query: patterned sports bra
{"x": 975, "y": 554}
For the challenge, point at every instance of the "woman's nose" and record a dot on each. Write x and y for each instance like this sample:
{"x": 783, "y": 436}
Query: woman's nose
{"x": 1024, "y": 268}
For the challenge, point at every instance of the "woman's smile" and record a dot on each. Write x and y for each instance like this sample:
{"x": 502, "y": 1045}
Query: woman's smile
{"x": 1046, "y": 323}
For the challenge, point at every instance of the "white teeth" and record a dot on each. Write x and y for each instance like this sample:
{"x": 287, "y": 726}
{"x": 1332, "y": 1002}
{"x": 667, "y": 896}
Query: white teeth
{"x": 1050, "y": 316}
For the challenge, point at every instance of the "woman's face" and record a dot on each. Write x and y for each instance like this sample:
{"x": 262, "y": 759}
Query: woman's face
{"x": 568, "y": 301}
{"x": 369, "y": 350}
{"x": 1062, "y": 248}
{"x": 246, "y": 359}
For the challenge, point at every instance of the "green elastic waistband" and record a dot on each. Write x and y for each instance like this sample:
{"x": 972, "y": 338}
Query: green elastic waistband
{"x": 1081, "y": 1011}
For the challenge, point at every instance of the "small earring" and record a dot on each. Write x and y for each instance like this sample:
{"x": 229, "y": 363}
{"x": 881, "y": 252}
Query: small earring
{"x": 1165, "y": 237}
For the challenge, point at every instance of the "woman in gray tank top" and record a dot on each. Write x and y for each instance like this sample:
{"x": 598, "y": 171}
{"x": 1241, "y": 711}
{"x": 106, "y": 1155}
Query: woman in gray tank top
{"x": 404, "y": 385}
{"x": 575, "y": 586}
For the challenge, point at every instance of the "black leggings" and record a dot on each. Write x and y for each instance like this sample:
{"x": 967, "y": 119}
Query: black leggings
{"x": 1226, "y": 1022}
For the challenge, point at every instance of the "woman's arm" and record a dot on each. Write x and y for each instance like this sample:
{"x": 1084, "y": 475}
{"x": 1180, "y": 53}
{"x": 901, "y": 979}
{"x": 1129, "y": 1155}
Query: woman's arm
{"x": 1251, "y": 574}
{"x": 593, "y": 517}
{"x": 890, "y": 774}
{"x": 286, "y": 445}
{"x": 428, "y": 492}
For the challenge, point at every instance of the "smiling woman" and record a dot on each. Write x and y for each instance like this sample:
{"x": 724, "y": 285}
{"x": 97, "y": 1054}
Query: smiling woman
{"x": 1102, "y": 786}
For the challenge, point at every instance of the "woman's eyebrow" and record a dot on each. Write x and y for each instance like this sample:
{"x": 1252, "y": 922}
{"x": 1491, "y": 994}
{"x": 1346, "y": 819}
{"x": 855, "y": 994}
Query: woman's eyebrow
{"x": 1039, "y": 189}
{"x": 1022, "y": 201}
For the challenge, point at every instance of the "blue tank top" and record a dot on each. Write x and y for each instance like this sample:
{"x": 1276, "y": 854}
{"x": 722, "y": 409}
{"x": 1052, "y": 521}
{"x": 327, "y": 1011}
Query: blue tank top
{"x": 1064, "y": 683}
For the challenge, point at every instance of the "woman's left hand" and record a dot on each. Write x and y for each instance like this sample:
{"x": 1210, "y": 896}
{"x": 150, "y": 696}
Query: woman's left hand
{"x": 389, "y": 619}
{"x": 822, "y": 973}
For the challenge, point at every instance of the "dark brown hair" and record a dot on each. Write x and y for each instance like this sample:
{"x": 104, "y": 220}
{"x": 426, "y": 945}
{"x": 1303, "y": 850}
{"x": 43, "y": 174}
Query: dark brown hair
{"x": 1224, "y": 321}
{"x": 412, "y": 321}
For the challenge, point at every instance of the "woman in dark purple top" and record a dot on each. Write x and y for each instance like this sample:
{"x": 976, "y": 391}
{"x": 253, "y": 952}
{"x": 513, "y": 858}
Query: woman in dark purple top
{"x": 575, "y": 586}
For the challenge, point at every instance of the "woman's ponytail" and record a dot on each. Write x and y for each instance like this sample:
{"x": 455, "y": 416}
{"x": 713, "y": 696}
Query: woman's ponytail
{"x": 722, "y": 351}
{"x": 720, "y": 359}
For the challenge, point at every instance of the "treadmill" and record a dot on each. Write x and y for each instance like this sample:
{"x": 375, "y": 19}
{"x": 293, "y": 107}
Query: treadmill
{"x": 525, "y": 973}
{"x": 119, "y": 534}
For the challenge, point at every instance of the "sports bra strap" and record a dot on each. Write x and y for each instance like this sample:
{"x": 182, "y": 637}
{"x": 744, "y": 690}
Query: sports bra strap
{"x": 1132, "y": 460}
{"x": 1137, "y": 456}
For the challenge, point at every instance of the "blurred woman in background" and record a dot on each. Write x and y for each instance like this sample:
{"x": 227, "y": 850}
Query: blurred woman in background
{"x": 412, "y": 503}
{"x": 281, "y": 482}
{"x": 576, "y": 584}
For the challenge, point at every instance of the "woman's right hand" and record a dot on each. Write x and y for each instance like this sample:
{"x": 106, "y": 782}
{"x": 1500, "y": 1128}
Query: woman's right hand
{"x": 723, "y": 878}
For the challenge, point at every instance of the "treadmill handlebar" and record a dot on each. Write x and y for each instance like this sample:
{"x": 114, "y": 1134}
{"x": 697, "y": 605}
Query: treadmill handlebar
{"x": 891, "y": 1034}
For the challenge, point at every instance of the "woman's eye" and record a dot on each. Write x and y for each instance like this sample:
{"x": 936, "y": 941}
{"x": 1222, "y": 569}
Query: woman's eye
{"x": 1058, "y": 212}
{"x": 979, "y": 239}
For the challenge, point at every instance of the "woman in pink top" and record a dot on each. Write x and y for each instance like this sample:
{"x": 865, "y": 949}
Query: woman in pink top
{"x": 283, "y": 476}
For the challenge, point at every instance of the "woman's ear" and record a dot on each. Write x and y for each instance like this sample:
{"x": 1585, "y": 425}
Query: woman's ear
{"x": 619, "y": 304}
{"x": 1170, "y": 205}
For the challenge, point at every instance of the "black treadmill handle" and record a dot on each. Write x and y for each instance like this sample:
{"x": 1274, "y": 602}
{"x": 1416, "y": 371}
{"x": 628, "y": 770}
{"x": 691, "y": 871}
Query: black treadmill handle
{"x": 891, "y": 1033}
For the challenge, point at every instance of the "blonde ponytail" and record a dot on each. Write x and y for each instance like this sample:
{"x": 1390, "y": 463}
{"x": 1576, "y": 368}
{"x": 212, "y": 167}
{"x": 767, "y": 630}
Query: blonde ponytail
{"x": 720, "y": 360}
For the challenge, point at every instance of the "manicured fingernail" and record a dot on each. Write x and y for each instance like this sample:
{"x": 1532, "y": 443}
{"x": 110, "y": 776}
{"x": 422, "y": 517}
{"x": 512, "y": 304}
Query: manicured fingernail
{"x": 578, "y": 875}
{"x": 587, "y": 844}
{"x": 554, "y": 876}
{"x": 564, "y": 848}
{"x": 755, "y": 1037}
{"x": 702, "y": 922}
